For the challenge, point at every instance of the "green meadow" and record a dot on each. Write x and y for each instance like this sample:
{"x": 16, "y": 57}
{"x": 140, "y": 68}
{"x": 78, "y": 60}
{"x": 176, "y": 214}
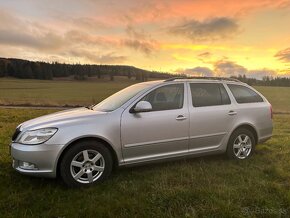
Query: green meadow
{"x": 209, "y": 186}
{"x": 200, "y": 187}
{"x": 58, "y": 93}
{"x": 72, "y": 93}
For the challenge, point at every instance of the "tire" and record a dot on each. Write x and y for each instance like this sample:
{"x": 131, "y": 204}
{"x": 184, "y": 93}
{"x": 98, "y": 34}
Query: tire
{"x": 85, "y": 163}
{"x": 241, "y": 144}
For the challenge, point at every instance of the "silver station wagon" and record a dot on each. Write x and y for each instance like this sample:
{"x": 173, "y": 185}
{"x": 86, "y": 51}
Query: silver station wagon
{"x": 143, "y": 123}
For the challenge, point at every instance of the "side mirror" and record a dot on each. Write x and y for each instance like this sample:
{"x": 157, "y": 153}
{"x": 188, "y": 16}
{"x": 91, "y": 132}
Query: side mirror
{"x": 142, "y": 106}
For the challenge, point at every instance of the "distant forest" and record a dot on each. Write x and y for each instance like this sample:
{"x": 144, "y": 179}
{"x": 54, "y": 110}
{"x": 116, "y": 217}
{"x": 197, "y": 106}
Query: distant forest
{"x": 266, "y": 81}
{"x": 24, "y": 69}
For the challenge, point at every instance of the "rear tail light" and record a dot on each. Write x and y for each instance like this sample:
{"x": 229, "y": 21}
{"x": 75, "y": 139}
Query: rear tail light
{"x": 271, "y": 110}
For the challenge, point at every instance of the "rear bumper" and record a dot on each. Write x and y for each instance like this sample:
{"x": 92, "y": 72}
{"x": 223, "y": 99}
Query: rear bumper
{"x": 264, "y": 139}
{"x": 36, "y": 160}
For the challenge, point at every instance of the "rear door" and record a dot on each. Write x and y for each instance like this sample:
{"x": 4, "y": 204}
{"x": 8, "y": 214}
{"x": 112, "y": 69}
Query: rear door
{"x": 211, "y": 115}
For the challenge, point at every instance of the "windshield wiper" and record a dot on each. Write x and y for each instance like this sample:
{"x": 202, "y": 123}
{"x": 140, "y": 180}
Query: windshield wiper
{"x": 90, "y": 107}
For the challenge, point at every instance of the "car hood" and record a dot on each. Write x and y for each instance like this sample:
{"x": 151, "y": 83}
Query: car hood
{"x": 60, "y": 118}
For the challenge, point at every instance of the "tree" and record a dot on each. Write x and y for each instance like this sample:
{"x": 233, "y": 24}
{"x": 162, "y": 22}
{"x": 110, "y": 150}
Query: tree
{"x": 10, "y": 70}
{"x": 3, "y": 68}
{"x": 138, "y": 76}
{"x": 27, "y": 71}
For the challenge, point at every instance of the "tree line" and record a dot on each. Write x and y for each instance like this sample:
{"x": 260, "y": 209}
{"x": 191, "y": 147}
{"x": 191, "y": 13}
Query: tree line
{"x": 265, "y": 81}
{"x": 23, "y": 69}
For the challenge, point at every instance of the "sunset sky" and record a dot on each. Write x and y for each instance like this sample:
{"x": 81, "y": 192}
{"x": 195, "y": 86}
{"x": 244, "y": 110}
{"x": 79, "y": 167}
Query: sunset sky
{"x": 197, "y": 37}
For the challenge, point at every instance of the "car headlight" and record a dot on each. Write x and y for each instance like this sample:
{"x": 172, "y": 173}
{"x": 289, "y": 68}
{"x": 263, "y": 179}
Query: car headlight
{"x": 38, "y": 136}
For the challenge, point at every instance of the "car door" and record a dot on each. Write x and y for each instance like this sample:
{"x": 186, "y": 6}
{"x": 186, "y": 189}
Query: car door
{"x": 211, "y": 116}
{"x": 161, "y": 132}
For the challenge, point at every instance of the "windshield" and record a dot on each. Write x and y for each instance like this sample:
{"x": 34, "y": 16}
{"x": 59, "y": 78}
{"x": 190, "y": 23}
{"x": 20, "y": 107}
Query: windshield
{"x": 118, "y": 99}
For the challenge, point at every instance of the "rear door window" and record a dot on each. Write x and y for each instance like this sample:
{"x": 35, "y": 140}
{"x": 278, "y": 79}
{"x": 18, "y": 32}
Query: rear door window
{"x": 208, "y": 94}
{"x": 244, "y": 94}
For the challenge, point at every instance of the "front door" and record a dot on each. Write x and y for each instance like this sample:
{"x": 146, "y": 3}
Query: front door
{"x": 161, "y": 132}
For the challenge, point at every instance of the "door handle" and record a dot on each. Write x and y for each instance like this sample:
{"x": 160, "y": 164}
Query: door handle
{"x": 180, "y": 117}
{"x": 231, "y": 113}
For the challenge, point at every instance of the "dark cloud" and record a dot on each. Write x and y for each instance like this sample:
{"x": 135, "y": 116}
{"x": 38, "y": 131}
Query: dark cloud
{"x": 197, "y": 71}
{"x": 208, "y": 30}
{"x": 284, "y": 55}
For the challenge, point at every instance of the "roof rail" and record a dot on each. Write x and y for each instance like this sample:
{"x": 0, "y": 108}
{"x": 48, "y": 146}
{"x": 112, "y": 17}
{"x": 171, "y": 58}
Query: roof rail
{"x": 174, "y": 78}
{"x": 198, "y": 77}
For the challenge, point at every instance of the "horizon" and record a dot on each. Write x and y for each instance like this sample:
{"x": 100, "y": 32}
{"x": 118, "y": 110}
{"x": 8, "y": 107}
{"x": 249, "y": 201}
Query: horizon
{"x": 197, "y": 38}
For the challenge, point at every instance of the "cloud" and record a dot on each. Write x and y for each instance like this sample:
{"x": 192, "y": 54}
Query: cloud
{"x": 21, "y": 32}
{"x": 196, "y": 71}
{"x": 207, "y": 30}
{"x": 228, "y": 68}
{"x": 283, "y": 55}
{"x": 139, "y": 40}
{"x": 204, "y": 54}
{"x": 89, "y": 23}
{"x": 45, "y": 41}
{"x": 139, "y": 45}
{"x": 133, "y": 33}
{"x": 33, "y": 37}
{"x": 259, "y": 74}
{"x": 77, "y": 37}
{"x": 108, "y": 58}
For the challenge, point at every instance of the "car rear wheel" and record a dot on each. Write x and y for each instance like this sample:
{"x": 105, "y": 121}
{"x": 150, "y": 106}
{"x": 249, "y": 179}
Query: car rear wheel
{"x": 85, "y": 163}
{"x": 241, "y": 144}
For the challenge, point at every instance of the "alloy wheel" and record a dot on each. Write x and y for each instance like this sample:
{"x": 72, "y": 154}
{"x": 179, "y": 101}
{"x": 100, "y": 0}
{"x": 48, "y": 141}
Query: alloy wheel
{"x": 242, "y": 146}
{"x": 87, "y": 166}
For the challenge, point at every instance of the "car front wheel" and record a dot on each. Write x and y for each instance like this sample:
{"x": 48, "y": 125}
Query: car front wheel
{"x": 85, "y": 163}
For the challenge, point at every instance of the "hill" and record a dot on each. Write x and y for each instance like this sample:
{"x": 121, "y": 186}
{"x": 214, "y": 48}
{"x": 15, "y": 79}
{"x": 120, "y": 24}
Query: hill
{"x": 25, "y": 69}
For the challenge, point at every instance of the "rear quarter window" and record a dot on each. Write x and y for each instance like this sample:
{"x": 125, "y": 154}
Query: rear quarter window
{"x": 244, "y": 94}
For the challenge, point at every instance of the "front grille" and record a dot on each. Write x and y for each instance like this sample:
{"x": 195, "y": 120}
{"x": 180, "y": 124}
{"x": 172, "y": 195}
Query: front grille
{"x": 16, "y": 133}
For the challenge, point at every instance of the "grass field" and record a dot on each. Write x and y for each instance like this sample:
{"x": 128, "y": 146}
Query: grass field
{"x": 279, "y": 97}
{"x": 60, "y": 93}
{"x": 57, "y": 93}
{"x": 201, "y": 187}
{"x": 209, "y": 186}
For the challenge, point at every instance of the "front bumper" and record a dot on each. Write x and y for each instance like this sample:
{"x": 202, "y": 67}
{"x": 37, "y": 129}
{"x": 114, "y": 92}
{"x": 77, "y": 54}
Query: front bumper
{"x": 42, "y": 159}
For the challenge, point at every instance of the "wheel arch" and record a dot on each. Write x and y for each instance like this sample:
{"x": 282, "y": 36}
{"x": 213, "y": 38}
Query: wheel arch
{"x": 251, "y": 128}
{"x": 93, "y": 138}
